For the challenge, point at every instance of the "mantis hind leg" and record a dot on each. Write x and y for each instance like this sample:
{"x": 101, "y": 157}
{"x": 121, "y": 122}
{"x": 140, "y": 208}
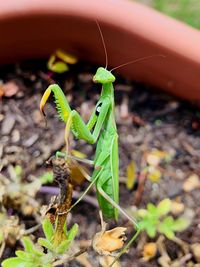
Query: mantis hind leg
{"x": 87, "y": 189}
{"x": 116, "y": 206}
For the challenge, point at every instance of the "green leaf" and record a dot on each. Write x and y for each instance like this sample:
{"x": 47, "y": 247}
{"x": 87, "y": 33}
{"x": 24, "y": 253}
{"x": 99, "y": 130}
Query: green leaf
{"x": 164, "y": 207}
{"x": 46, "y": 178}
{"x": 30, "y": 247}
{"x": 45, "y": 243}
{"x": 28, "y": 244}
{"x": 47, "y": 259}
{"x": 180, "y": 224}
{"x": 26, "y": 256}
{"x": 59, "y": 67}
{"x": 18, "y": 171}
{"x": 152, "y": 209}
{"x": 141, "y": 213}
{"x": 166, "y": 227}
{"x": 17, "y": 262}
{"x": 63, "y": 246}
{"x": 72, "y": 233}
{"x": 163, "y": 229}
{"x": 151, "y": 231}
{"x": 48, "y": 229}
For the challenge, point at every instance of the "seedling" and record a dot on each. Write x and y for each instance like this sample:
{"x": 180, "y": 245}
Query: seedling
{"x": 58, "y": 62}
{"x": 155, "y": 219}
{"x": 33, "y": 254}
{"x": 57, "y": 239}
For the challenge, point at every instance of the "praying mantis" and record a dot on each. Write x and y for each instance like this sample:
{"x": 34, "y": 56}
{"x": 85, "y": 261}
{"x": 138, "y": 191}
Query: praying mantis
{"x": 101, "y": 129}
{"x": 102, "y": 122}
{"x": 103, "y": 126}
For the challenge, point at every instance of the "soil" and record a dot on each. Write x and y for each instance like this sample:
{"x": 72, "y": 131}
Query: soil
{"x": 146, "y": 120}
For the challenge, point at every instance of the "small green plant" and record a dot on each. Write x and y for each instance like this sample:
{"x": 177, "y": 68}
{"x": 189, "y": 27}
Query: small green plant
{"x": 34, "y": 255}
{"x": 58, "y": 62}
{"x": 156, "y": 219}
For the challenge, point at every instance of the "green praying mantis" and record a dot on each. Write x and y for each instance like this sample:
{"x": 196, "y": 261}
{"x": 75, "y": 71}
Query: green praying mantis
{"x": 100, "y": 129}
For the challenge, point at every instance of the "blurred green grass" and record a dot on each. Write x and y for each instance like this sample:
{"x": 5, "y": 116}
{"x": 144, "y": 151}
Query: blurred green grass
{"x": 187, "y": 11}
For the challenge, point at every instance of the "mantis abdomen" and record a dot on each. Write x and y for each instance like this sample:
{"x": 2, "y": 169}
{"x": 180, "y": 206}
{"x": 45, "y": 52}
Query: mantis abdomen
{"x": 106, "y": 158}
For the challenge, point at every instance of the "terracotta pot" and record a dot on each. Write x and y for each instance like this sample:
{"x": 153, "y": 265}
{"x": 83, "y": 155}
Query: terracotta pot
{"x": 34, "y": 29}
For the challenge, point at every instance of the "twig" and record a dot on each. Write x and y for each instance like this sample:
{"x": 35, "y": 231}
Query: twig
{"x": 141, "y": 180}
{"x": 76, "y": 195}
{"x": 3, "y": 245}
{"x": 68, "y": 259}
{"x": 32, "y": 229}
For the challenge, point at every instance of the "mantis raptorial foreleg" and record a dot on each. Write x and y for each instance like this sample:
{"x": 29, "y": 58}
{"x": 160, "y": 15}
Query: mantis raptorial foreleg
{"x": 72, "y": 118}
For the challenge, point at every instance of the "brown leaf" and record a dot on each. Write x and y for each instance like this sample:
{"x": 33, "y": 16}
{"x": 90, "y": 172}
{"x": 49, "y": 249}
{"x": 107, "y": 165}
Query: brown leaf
{"x": 66, "y": 57}
{"x": 131, "y": 175}
{"x": 191, "y": 183}
{"x": 149, "y": 251}
{"x": 9, "y": 89}
{"x": 196, "y": 251}
{"x": 177, "y": 207}
{"x": 106, "y": 242}
{"x": 154, "y": 174}
{"x": 83, "y": 260}
{"x": 154, "y": 157}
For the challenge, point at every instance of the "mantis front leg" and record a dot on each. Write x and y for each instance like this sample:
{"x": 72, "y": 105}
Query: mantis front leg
{"x": 72, "y": 118}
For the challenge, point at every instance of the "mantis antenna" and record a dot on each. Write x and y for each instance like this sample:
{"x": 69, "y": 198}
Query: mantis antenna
{"x": 136, "y": 60}
{"x": 103, "y": 42}
{"x": 124, "y": 64}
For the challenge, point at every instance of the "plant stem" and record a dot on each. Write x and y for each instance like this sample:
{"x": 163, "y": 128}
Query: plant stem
{"x": 61, "y": 173}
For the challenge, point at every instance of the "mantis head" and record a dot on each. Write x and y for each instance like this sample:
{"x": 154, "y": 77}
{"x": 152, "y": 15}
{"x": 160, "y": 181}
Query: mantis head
{"x": 103, "y": 76}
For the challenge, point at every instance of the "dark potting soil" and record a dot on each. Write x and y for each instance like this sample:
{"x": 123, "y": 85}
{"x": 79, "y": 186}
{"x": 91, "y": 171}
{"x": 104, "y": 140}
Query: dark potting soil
{"x": 146, "y": 120}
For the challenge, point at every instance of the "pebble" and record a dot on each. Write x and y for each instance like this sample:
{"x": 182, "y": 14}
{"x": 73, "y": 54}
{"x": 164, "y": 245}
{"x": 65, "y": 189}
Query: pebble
{"x": 37, "y": 117}
{"x": 30, "y": 141}
{"x": 1, "y": 117}
{"x": 8, "y": 124}
{"x": 15, "y": 136}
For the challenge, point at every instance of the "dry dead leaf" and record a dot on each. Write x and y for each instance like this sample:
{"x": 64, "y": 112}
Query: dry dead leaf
{"x": 191, "y": 183}
{"x": 196, "y": 251}
{"x": 155, "y": 157}
{"x": 106, "y": 261}
{"x": 9, "y": 89}
{"x": 164, "y": 261}
{"x": 83, "y": 260}
{"x": 10, "y": 229}
{"x": 154, "y": 174}
{"x": 131, "y": 175}
{"x": 106, "y": 242}
{"x": 149, "y": 251}
{"x": 177, "y": 207}
{"x": 66, "y": 57}
{"x": 1, "y": 91}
